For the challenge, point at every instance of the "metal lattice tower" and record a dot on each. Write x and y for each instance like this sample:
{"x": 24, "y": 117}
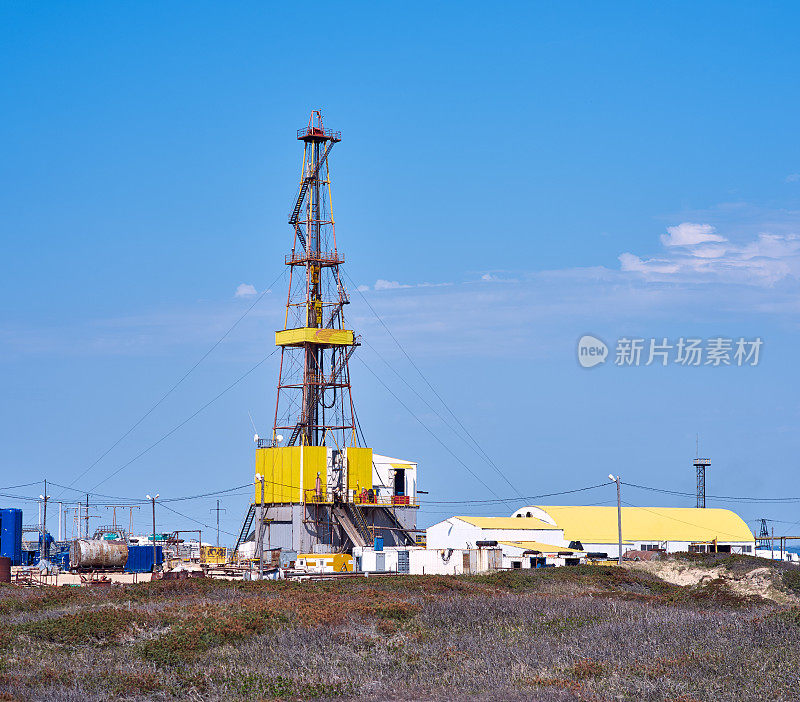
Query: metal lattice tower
{"x": 314, "y": 401}
{"x": 700, "y": 465}
{"x": 763, "y": 535}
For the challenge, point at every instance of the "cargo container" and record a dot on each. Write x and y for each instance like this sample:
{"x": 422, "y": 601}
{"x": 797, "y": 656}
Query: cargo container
{"x": 95, "y": 554}
{"x": 11, "y": 535}
{"x": 420, "y": 561}
{"x": 140, "y": 559}
{"x": 324, "y": 562}
{"x": 214, "y": 555}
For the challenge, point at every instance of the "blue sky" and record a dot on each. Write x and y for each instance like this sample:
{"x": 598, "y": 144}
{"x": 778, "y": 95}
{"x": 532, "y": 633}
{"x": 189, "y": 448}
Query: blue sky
{"x": 510, "y": 178}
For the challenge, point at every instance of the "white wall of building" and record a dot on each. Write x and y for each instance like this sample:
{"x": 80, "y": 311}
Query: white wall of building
{"x": 383, "y": 474}
{"x": 456, "y": 533}
{"x": 612, "y": 549}
{"x": 422, "y": 561}
{"x": 513, "y": 555}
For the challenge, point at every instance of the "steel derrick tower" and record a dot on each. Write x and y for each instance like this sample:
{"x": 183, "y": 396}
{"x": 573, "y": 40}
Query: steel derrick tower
{"x": 316, "y": 489}
{"x": 314, "y": 405}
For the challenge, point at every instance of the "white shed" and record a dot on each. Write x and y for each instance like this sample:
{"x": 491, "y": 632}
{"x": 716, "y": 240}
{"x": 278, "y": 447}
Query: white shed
{"x": 465, "y": 532}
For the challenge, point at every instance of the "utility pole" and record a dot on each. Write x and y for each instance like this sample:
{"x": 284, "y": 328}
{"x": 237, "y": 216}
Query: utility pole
{"x": 260, "y": 532}
{"x": 218, "y": 509}
{"x": 619, "y": 515}
{"x": 153, "y": 500}
{"x": 45, "y": 551}
{"x": 86, "y": 535}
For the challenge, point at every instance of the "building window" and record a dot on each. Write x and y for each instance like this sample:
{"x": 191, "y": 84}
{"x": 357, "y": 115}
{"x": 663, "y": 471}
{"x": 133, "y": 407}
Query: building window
{"x": 649, "y": 547}
{"x": 516, "y": 564}
{"x": 747, "y": 549}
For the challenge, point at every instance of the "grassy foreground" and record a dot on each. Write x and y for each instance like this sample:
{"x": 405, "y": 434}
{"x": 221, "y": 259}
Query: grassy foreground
{"x": 585, "y": 633}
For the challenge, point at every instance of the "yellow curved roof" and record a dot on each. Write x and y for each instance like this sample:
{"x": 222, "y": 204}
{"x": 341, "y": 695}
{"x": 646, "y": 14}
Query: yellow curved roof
{"x": 597, "y": 525}
{"x": 507, "y": 522}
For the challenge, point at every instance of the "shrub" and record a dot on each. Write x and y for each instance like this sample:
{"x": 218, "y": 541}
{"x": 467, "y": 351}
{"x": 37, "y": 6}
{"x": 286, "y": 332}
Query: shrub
{"x": 203, "y": 631}
{"x": 282, "y": 686}
{"x": 87, "y": 627}
{"x": 791, "y": 579}
{"x": 585, "y": 668}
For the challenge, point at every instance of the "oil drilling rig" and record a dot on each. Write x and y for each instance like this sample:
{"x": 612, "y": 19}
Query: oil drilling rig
{"x": 318, "y": 487}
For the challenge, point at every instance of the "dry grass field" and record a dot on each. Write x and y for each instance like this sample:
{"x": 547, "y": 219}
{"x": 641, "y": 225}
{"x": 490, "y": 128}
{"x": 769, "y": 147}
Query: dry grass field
{"x": 584, "y": 633}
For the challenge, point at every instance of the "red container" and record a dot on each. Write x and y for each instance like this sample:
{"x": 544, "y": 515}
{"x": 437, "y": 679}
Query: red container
{"x": 5, "y": 569}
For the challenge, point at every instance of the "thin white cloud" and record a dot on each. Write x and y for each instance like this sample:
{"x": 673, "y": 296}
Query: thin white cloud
{"x": 690, "y": 234}
{"x": 629, "y": 262}
{"x": 492, "y": 278}
{"x": 245, "y": 290}
{"x": 695, "y": 252}
{"x": 793, "y": 178}
{"x": 381, "y": 284}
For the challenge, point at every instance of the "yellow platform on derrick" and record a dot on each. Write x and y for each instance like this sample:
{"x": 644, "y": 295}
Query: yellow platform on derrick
{"x": 314, "y": 335}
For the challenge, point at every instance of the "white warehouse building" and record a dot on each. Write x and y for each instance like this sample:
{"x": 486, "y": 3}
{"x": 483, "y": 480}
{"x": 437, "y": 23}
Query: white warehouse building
{"x": 594, "y": 530}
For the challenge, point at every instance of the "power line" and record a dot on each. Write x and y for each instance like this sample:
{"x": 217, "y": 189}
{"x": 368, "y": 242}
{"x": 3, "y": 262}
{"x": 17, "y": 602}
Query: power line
{"x": 428, "y": 383}
{"x": 207, "y": 494}
{"x": 525, "y": 499}
{"x": 442, "y": 419}
{"x": 185, "y": 421}
{"x": 729, "y": 498}
{"x": 433, "y": 434}
{"x": 20, "y": 497}
{"x": 247, "y": 487}
{"x": 175, "y": 386}
{"x": 13, "y": 487}
{"x": 675, "y": 519}
{"x": 192, "y": 519}
{"x": 168, "y": 499}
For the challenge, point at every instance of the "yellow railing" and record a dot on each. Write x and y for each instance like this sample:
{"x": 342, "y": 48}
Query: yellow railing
{"x": 384, "y": 500}
{"x": 319, "y": 498}
{"x": 363, "y": 498}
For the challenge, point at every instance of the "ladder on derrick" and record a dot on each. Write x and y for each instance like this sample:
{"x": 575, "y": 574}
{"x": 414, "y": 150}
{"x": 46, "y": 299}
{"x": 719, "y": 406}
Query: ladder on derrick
{"x": 246, "y": 526}
{"x": 351, "y": 519}
{"x": 301, "y": 195}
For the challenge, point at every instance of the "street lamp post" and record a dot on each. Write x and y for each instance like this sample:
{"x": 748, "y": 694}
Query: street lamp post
{"x": 153, "y": 500}
{"x": 44, "y": 553}
{"x": 260, "y": 532}
{"x": 619, "y": 515}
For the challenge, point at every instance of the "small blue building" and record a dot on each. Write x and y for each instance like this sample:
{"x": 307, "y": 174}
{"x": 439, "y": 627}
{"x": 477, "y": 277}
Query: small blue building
{"x": 11, "y": 534}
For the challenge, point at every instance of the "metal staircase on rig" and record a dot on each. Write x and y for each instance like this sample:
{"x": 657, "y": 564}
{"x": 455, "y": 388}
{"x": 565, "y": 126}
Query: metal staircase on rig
{"x": 352, "y": 520}
{"x": 247, "y": 524}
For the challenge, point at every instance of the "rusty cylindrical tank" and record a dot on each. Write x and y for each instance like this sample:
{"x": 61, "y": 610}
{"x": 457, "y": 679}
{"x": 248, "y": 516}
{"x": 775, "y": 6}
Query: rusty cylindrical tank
{"x": 96, "y": 554}
{"x": 5, "y": 569}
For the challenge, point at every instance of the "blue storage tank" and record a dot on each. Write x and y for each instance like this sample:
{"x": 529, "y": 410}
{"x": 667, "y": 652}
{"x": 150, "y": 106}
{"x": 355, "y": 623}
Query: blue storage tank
{"x": 11, "y": 535}
{"x": 140, "y": 558}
